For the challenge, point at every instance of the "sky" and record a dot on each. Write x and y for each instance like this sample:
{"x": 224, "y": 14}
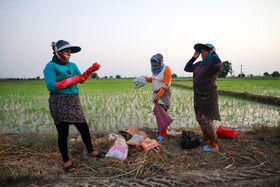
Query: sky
{"x": 122, "y": 35}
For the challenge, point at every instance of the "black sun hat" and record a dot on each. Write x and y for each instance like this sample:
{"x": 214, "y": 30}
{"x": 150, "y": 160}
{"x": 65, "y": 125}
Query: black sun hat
{"x": 62, "y": 44}
{"x": 198, "y": 47}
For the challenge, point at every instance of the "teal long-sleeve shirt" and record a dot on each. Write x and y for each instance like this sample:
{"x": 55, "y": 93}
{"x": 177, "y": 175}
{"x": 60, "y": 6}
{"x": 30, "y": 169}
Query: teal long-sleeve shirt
{"x": 54, "y": 72}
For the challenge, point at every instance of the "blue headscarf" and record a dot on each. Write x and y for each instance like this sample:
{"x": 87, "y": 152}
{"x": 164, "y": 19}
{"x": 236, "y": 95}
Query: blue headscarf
{"x": 157, "y": 59}
{"x": 209, "y": 54}
{"x": 208, "y": 57}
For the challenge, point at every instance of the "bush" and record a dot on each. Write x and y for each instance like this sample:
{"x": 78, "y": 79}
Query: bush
{"x": 174, "y": 75}
{"x": 275, "y": 74}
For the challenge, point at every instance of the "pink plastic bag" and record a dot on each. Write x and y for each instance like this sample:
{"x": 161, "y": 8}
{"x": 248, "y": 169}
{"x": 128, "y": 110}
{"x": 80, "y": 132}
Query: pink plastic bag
{"x": 119, "y": 149}
{"x": 163, "y": 119}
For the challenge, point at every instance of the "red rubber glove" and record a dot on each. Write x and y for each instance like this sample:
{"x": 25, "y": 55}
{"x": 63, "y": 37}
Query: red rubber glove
{"x": 70, "y": 81}
{"x": 93, "y": 68}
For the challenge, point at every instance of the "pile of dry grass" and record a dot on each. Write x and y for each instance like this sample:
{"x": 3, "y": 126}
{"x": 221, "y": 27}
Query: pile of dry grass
{"x": 36, "y": 156}
{"x": 21, "y": 157}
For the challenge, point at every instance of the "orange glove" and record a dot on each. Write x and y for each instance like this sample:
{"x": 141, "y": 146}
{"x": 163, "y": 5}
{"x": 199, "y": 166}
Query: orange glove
{"x": 93, "y": 68}
{"x": 70, "y": 81}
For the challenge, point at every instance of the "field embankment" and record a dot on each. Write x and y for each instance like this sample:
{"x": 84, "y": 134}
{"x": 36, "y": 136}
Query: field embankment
{"x": 245, "y": 95}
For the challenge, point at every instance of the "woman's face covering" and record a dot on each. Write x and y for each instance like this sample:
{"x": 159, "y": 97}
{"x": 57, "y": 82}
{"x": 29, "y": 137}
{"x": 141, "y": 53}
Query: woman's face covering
{"x": 155, "y": 64}
{"x": 66, "y": 52}
{"x": 204, "y": 54}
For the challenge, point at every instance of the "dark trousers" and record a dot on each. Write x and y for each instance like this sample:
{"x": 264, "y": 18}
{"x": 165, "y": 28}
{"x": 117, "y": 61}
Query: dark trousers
{"x": 63, "y": 131}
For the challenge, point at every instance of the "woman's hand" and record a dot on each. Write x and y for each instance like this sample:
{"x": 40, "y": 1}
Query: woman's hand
{"x": 196, "y": 54}
{"x": 156, "y": 98}
{"x": 212, "y": 49}
{"x": 93, "y": 68}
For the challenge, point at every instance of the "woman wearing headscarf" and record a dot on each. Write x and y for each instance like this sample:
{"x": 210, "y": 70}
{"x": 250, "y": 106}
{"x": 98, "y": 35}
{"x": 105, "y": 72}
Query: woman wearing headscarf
{"x": 161, "y": 81}
{"x": 61, "y": 78}
{"x": 206, "y": 106}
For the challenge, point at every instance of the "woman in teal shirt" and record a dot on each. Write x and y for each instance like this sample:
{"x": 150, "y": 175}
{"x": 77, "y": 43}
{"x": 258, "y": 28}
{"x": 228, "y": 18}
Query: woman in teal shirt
{"x": 61, "y": 78}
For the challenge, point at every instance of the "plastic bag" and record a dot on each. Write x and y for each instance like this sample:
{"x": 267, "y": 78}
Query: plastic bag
{"x": 150, "y": 144}
{"x": 139, "y": 81}
{"x": 113, "y": 136}
{"x": 224, "y": 133}
{"x": 163, "y": 119}
{"x": 118, "y": 150}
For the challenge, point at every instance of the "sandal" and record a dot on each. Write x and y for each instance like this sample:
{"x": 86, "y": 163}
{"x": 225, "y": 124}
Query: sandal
{"x": 155, "y": 131}
{"x": 207, "y": 149}
{"x": 68, "y": 168}
{"x": 160, "y": 138}
{"x": 99, "y": 155}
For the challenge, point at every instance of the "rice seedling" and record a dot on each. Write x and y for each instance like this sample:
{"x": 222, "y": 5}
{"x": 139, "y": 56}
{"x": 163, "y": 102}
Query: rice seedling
{"x": 115, "y": 105}
{"x": 257, "y": 87}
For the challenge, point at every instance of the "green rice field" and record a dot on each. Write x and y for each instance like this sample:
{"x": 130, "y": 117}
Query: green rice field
{"x": 258, "y": 87}
{"x": 113, "y": 104}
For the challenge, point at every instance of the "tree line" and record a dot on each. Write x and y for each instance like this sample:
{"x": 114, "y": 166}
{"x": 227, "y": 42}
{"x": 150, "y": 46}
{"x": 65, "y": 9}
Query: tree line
{"x": 227, "y": 69}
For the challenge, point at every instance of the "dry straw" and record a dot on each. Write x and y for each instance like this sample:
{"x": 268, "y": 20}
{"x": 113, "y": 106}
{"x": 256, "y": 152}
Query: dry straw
{"x": 255, "y": 151}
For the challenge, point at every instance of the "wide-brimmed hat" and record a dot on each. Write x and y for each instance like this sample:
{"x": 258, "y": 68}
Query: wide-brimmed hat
{"x": 134, "y": 129}
{"x": 198, "y": 47}
{"x": 62, "y": 44}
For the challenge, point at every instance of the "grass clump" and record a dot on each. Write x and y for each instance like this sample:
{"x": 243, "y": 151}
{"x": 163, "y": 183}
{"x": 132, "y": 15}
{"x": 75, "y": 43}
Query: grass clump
{"x": 36, "y": 141}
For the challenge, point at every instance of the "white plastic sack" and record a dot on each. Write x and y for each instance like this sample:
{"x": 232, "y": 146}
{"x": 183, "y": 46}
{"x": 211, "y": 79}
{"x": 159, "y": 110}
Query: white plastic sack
{"x": 136, "y": 140}
{"x": 113, "y": 136}
{"x": 119, "y": 149}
